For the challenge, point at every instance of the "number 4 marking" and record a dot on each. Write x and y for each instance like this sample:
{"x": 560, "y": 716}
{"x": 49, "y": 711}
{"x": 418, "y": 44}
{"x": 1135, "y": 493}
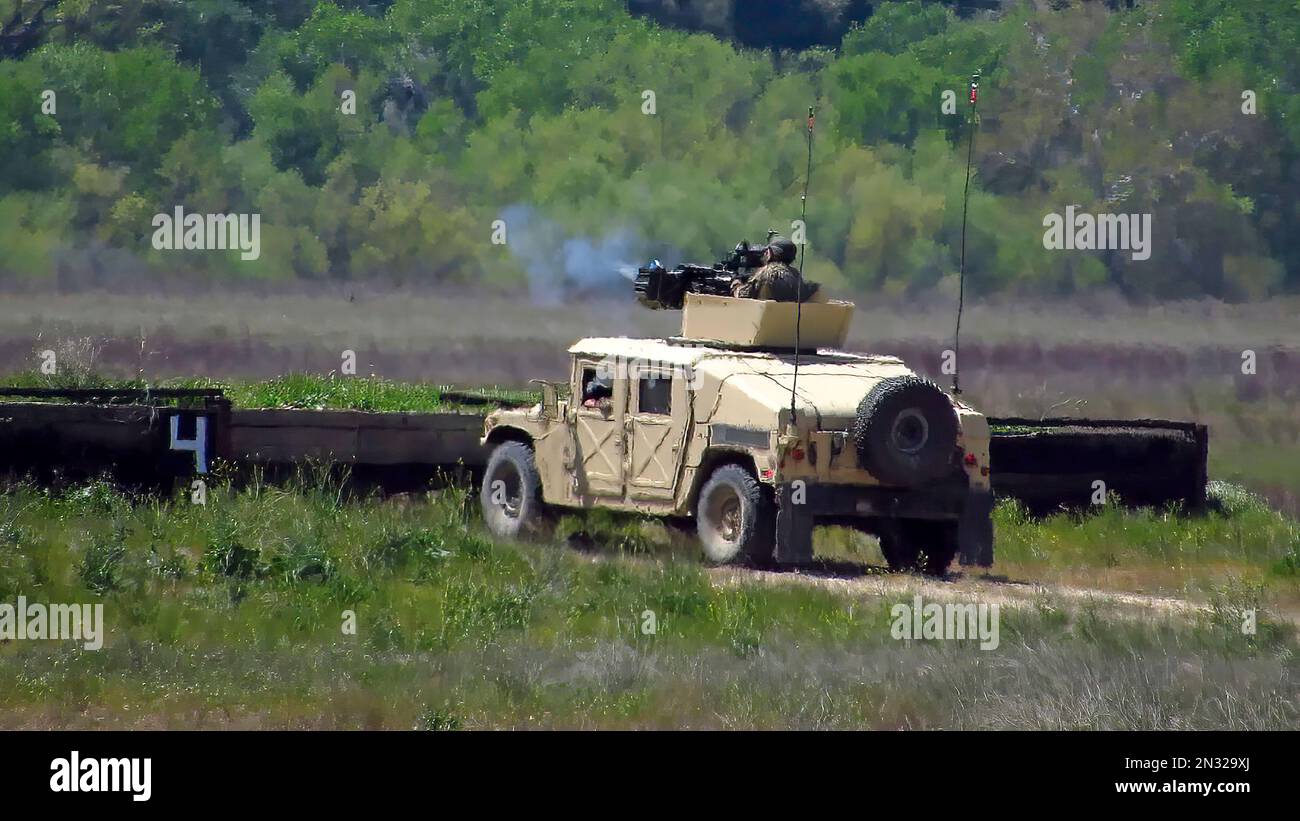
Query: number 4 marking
{"x": 199, "y": 444}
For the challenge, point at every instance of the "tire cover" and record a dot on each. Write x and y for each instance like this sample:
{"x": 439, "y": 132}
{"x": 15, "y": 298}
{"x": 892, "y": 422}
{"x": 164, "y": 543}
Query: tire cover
{"x": 906, "y": 431}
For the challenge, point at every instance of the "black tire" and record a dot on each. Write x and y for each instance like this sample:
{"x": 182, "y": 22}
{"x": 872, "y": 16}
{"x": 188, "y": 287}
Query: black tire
{"x": 906, "y": 431}
{"x": 514, "y": 508}
{"x": 735, "y": 518}
{"x": 911, "y": 544}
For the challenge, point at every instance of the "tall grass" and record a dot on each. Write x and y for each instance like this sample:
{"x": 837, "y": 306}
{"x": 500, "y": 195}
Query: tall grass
{"x": 234, "y": 614}
{"x": 1238, "y": 528}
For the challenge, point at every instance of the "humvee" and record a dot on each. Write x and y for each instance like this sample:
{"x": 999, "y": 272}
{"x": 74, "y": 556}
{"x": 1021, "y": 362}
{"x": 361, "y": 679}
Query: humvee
{"x": 716, "y": 428}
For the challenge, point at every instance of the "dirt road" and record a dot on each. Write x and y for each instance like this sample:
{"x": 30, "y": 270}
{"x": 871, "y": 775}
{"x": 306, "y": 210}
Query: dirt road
{"x": 860, "y": 581}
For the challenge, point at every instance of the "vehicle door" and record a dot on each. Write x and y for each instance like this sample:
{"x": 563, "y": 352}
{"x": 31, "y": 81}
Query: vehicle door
{"x": 658, "y": 412}
{"x": 598, "y": 435}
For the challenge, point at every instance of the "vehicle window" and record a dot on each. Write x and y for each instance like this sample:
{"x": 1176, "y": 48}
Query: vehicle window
{"x": 597, "y": 391}
{"x": 655, "y": 394}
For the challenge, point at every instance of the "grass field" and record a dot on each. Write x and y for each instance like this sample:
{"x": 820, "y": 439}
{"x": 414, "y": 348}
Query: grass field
{"x": 231, "y": 614}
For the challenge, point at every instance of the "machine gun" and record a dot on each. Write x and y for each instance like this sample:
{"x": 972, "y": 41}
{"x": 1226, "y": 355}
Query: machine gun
{"x": 657, "y": 287}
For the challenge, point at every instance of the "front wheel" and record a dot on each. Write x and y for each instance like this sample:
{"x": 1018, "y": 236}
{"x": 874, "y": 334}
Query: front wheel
{"x": 735, "y": 517}
{"x": 511, "y": 495}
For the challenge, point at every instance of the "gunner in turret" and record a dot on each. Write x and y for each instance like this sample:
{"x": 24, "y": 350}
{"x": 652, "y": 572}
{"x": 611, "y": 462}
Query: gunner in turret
{"x": 777, "y": 279}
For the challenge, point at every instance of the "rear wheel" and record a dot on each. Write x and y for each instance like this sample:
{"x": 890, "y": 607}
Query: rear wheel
{"x": 735, "y": 517}
{"x": 916, "y": 544}
{"x": 511, "y": 494}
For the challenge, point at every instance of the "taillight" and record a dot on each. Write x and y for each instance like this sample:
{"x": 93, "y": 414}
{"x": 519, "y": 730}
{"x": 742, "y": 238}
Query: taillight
{"x": 970, "y": 459}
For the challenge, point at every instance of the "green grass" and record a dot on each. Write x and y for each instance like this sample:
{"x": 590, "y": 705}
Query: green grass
{"x": 1238, "y": 528}
{"x": 231, "y": 614}
{"x": 1006, "y": 430}
{"x": 1263, "y": 463}
{"x": 302, "y": 390}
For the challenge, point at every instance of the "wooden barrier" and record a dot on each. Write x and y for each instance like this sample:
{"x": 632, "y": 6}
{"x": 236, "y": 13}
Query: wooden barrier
{"x": 1052, "y": 463}
{"x": 356, "y": 437}
{"x": 142, "y": 443}
{"x": 1046, "y": 464}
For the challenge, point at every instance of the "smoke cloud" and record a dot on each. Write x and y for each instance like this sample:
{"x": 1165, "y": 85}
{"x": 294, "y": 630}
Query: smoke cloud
{"x": 558, "y": 264}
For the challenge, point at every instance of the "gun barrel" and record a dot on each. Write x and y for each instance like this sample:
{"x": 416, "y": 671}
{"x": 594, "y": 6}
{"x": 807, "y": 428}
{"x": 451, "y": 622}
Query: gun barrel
{"x": 659, "y": 288}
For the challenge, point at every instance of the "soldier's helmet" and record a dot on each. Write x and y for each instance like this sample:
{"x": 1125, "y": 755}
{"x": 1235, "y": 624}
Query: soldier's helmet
{"x": 783, "y": 250}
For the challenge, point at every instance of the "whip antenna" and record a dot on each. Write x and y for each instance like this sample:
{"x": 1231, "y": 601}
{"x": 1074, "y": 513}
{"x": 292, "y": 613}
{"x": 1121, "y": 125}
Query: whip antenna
{"x": 965, "y": 202}
{"x": 798, "y": 297}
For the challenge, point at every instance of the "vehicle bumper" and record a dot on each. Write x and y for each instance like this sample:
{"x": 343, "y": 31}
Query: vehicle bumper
{"x": 940, "y": 501}
{"x": 801, "y": 504}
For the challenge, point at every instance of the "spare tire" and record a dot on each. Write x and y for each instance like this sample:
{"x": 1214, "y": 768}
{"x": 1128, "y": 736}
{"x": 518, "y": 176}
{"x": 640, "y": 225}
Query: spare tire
{"x": 906, "y": 431}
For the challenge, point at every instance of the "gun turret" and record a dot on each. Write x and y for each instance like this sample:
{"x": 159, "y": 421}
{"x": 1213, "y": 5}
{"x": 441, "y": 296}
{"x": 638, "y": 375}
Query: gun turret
{"x": 657, "y": 287}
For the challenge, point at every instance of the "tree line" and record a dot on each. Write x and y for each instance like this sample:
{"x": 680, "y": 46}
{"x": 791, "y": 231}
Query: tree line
{"x": 600, "y": 120}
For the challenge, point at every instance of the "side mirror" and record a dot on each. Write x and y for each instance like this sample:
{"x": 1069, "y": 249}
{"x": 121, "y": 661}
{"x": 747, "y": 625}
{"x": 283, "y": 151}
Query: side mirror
{"x": 550, "y": 400}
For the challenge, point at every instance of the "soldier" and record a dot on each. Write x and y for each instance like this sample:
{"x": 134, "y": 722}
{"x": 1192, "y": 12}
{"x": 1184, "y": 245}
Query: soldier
{"x": 777, "y": 279}
{"x": 598, "y": 394}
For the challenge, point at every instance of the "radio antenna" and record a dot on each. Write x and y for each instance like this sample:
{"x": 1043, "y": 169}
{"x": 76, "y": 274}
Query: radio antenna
{"x": 965, "y": 202}
{"x": 798, "y": 297}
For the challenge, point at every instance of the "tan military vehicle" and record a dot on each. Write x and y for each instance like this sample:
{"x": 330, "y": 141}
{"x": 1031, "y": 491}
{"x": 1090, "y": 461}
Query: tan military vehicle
{"x": 716, "y": 426}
